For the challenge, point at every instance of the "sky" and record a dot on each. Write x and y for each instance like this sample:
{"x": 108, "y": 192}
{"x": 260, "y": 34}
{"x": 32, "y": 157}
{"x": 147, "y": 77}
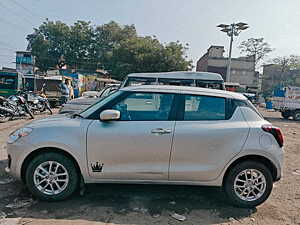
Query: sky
{"x": 189, "y": 21}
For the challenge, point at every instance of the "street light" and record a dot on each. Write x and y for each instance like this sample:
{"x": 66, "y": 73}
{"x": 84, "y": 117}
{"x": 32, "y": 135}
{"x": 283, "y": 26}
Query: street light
{"x": 231, "y": 30}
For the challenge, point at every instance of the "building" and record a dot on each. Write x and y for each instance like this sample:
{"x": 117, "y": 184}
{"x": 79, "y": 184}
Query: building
{"x": 242, "y": 68}
{"x": 274, "y": 75}
{"x": 24, "y": 63}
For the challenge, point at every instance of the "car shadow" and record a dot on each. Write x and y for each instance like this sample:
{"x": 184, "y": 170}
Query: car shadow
{"x": 134, "y": 204}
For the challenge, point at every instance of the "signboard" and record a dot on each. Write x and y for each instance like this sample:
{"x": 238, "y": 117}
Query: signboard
{"x": 21, "y": 59}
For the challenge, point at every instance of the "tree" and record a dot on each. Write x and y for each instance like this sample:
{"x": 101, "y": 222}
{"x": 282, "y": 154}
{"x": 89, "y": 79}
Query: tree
{"x": 257, "y": 47}
{"x": 282, "y": 71}
{"x": 286, "y": 68}
{"x": 48, "y": 43}
{"x": 116, "y": 48}
{"x": 147, "y": 54}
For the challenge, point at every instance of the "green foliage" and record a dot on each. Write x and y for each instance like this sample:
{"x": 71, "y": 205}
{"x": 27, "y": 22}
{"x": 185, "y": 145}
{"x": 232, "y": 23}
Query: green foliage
{"x": 146, "y": 54}
{"x": 257, "y": 47}
{"x": 116, "y": 48}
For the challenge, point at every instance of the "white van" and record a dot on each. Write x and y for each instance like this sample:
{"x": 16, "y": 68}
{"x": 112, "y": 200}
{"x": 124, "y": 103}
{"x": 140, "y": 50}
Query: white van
{"x": 180, "y": 78}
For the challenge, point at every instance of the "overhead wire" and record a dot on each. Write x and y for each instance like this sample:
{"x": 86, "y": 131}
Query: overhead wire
{"x": 6, "y": 44}
{"x": 25, "y": 19}
{"x": 5, "y": 21}
{"x": 26, "y": 9}
{"x": 16, "y": 26}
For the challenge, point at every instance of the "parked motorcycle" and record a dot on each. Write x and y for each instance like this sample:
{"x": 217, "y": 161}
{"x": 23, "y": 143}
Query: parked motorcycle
{"x": 6, "y": 111}
{"x": 37, "y": 102}
{"x": 16, "y": 106}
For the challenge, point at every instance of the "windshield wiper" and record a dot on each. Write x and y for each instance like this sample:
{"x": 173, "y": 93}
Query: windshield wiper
{"x": 76, "y": 115}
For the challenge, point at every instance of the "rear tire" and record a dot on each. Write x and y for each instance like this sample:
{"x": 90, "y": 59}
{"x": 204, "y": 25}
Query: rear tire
{"x": 246, "y": 194}
{"x": 296, "y": 115}
{"x": 56, "y": 186}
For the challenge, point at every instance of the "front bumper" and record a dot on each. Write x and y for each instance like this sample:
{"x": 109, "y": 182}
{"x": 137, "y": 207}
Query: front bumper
{"x": 17, "y": 153}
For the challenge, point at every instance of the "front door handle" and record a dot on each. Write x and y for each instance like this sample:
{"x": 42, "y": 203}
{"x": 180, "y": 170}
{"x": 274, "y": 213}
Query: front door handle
{"x": 161, "y": 131}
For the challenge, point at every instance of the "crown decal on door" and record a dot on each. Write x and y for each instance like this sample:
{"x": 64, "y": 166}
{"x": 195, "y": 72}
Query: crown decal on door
{"x": 97, "y": 167}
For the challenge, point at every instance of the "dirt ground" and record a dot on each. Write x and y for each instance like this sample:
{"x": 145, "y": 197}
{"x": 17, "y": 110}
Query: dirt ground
{"x": 155, "y": 204}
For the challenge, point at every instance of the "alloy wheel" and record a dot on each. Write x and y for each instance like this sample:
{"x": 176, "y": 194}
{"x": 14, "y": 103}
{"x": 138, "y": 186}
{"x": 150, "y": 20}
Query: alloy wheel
{"x": 51, "y": 178}
{"x": 250, "y": 185}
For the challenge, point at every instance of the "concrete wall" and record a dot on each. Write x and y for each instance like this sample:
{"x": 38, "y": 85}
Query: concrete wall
{"x": 202, "y": 63}
{"x": 216, "y": 51}
{"x": 242, "y": 71}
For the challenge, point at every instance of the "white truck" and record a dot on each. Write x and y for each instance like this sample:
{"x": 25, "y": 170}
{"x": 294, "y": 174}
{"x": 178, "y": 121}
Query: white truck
{"x": 287, "y": 101}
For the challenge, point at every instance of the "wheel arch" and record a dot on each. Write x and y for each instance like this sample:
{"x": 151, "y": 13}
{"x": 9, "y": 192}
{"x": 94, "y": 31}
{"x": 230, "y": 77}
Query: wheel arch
{"x": 257, "y": 158}
{"x": 44, "y": 150}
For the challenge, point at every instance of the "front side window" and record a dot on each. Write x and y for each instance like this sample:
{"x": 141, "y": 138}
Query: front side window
{"x": 204, "y": 108}
{"x": 145, "y": 107}
{"x": 92, "y": 111}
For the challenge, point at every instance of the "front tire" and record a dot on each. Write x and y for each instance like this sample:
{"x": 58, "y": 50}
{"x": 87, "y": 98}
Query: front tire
{"x": 248, "y": 184}
{"x": 29, "y": 111}
{"x": 52, "y": 177}
{"x": 49, "y": 108}
{"x": 285, "y": 114}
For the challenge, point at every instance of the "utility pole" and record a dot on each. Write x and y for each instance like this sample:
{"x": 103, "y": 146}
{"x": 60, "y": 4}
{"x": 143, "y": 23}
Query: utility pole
{"x": 231, "y": 30}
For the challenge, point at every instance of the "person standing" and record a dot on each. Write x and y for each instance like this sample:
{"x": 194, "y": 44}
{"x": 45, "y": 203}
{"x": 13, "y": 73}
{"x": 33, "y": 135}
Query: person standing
{"x": 71, "y": 89}
{"x": 65, "y": 92}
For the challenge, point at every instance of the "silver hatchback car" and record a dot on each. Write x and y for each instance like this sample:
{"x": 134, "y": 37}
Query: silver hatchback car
{"x": 152, "y": 134}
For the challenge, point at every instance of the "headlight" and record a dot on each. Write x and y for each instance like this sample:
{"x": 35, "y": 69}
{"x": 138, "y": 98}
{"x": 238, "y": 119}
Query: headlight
{"x": 22, "y": 132}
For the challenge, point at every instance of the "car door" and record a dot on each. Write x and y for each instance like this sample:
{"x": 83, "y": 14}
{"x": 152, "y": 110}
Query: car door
{"x": 205, "y": 138}
{"x": 138, "y": 145}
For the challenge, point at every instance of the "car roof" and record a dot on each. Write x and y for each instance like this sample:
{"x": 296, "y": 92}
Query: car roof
{"x": 184, "y": 90}
{"x": 179, "y": 75}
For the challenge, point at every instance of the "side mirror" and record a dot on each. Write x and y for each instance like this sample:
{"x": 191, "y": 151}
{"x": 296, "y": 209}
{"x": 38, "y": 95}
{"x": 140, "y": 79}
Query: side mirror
{"x": 109, "y": 115}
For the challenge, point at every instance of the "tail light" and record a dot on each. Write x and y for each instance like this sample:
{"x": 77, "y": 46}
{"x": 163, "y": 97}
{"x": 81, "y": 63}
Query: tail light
{"x": 276, "y": 132}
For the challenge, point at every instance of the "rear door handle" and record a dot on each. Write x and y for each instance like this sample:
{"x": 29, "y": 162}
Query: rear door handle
{"x": 161, "y": 131}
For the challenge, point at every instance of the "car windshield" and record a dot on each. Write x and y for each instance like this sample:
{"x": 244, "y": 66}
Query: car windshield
{"x": 86, "y": 112}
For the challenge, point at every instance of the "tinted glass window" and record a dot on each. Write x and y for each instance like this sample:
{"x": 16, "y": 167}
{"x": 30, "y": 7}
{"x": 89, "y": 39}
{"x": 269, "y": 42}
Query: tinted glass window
{"x": 131, "y": 81}
{"x": 88, "y": 112}
{"x": 209, "y": 84}
{"x": 245, "y": 103}
{"x": 8, "y": 83}
{"x": 177, "y": 82}
{"x": 145, "y": 107}
{"x": 204, "y": 108}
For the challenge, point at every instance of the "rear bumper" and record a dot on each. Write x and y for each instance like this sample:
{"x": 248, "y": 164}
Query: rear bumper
{"x": 279, "y": 163}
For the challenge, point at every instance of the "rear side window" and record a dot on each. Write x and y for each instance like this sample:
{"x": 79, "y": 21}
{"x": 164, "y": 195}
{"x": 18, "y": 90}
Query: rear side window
{"x": 234, "y": 103}
{"x": 204, "y": 108}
